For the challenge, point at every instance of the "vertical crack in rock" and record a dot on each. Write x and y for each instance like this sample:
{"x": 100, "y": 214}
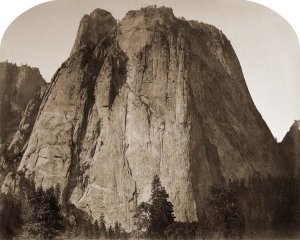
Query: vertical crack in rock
{"x": 119, "y": 71}
{"x": 143, "y": 65}
{"x": 161, "y": 136}
{"x": 76, "y": 142}
{"x": 134, "y": 195}
{"x": 214, "y": 164}
{"x": 126, "y": 163}
{"x": 93, "y": 67}
{"x": 95, "y": 142}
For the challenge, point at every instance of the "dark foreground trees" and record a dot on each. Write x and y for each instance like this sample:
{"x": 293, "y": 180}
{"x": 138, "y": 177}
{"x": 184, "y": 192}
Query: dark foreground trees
{"x": 151, "y": 219}
{"x": 141, "y": 219}
{"x": 269, "y": 205}
{"x": 44, "y": 215}
{"x": 10, "y": 216}
{"x": 155, "y": 219}
{"x": 184, "y": 230}
{"x": 35, "y": 212}
{"x": 255, "y": 209}
{"x": 224, "y": 215}
{"x": 221, "y": 219}
{"x": 161, "y": 210}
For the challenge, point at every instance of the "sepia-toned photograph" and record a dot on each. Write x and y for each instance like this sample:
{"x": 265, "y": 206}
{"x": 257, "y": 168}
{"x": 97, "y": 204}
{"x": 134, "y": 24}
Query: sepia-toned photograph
{"x": 144, "y": 119}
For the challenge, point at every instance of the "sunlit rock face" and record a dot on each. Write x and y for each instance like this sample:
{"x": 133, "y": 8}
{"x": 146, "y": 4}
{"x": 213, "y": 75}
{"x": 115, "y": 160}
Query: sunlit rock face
{"x": 152, "y": 94}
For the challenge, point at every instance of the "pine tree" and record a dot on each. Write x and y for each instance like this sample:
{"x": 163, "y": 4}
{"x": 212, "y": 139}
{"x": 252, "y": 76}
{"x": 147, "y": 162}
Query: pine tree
{"x": 44, "y": 214}
{"x": 226, "y": 217}
{"x": 96, "y": 230}
{"x": 110, "y": 233}
{"x": 88, "y": 229}
{"x": 141, "y": 219}
{"x": 10, "y": 216}
{"x": 117, "y": 230}
{"x": 161, "y": 211}
{"x": 102, "y": 227}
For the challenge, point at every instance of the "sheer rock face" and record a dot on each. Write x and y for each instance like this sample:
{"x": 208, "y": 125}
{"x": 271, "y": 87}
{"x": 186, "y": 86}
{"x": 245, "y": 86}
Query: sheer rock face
{"x": 151, "y": 95}
{"x": 290, "y": 149}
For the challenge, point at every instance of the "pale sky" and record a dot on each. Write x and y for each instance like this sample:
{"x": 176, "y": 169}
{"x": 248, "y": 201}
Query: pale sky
{"x": 265, "y": 44}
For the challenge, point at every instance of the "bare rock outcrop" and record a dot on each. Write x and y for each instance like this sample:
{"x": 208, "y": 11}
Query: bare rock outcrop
{"x": 153, "y": 94}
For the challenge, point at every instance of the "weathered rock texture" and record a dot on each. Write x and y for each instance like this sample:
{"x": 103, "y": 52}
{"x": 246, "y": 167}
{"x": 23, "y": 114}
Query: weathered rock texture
{"x": 152, "y": 94}
{"x": 18, "y": 88}
{"x": 290, "y": 149}
{"x": 19, "y": 141}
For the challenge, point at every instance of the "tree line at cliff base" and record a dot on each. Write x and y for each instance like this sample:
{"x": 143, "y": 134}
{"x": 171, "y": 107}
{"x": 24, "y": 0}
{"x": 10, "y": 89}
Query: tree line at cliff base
{"x": 260, "y": 207}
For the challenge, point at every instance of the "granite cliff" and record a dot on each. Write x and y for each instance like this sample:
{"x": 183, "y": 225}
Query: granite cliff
{"x": 19, "y": 87}
{"x": 152, "y": 94}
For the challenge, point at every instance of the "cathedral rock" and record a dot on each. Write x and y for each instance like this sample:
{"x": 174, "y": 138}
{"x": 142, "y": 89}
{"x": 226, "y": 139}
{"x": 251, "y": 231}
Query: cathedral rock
{"x": 150, "y": 94}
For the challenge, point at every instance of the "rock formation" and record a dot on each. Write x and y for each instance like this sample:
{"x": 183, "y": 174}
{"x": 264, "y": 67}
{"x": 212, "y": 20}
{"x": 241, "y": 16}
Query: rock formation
{"x": 290, "y": 149}
{"x": 18, "y": 88}
{"x": 19, "y": 141}
{"x": 152, "y": 94}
